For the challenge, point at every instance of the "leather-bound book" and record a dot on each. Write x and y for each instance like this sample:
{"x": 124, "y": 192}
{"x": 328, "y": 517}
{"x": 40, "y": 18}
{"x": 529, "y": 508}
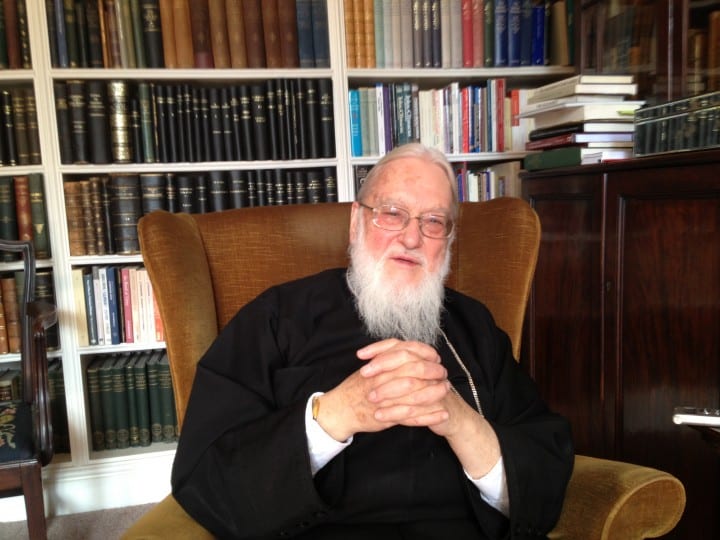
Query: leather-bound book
{"x": 254, "y": 39}
{"x": 135, "y": 130}
{"x": 33, "y": 130}
{"x": 105, "y": 194}
{"x": 289, "y": 179}
{"x": 314, "y": 186}
{"x": 97, "y": 122}
{"x": 185, "y": 184}
{"x": 4, "y": 348}
{"x": 252, "y": 198}
{"x": 167, "y": 27}
{"x": 71, "y": 34}
{"x": 237, "y": 189}
{"x": 24, "y": 31}
{"x": 125, "y": 211}
{"x": 289, "y": 88}
{"x": 141, "y": 398}
{"x": 321, "y": 39}
{"x": 147, "y": 122}
{"x": 88, "y": 226}
{"x": 217, "y": 191}
{"x": 112, "y": 34}
{"x": 279, "y": 186}
{"x": 75, "y": 219}
{"x": 200, "y": 27}
{"x": 227, "y": 124}
{"x": 281, "y": 140}
{"x": 311, "y": 130}
{"x": 205, "y": 122}
{"x": 38, "y": 216}
{"x": 138, "y": 34}
{"x": 185, "y": 109}
{"x": 83, "y": 36}
{"x": 12, "y": 34}
{"x": 11, "y": 311}
{"x": 22, "y": 145}
{"x": 288, "y": 30}
{"x": 162, "y": 139}
{"x": 52, "y": 36}
{"x": 260, "y": 185}
{"x": 269, "y": 186}
{"x": 8, "y": 216}
{"x": 152, "y": 33}
{"x": 271, "y": 33}
{"x": 126, "y": 38}
{"x": 183, "y": 34}
{"x": 246, "y": 122}
{"x": 216, "y": 128}
{"x": 272, "y": 119}
{"x": 326, "y": 118}
{"x": 236, "y": 33}
{"x": 171, "y": 193}
{"x": 62, "y": 113}
{"x": 99, "y": 224}
{"x": 303, "y": 17}
{"x": 45, "y": 292}
{"x": 299, "y": 127}
{"x": 23, "y": 212}
{"x": 153, "y": 190}
{"x": 258, "y": 106}
{"x": 119, "y": 120}
{"x": 329, "y": 177}
{"x": 219, "y": 38}
{"x": 77, "y": 107}
{"x": 94, "y": 35}
{"x": 200, "y": 188}
{"x": 201, "y": 145}
{"x": 236, "y": 128}
{"x": 8, "y": 128}
{"x": 300, "y": 186}
{"x": 171, "y": 130}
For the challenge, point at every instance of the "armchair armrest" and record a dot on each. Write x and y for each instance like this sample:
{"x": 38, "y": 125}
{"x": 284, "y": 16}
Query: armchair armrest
{"x": 167, "y": 519}
{"x": 612, "y": 499}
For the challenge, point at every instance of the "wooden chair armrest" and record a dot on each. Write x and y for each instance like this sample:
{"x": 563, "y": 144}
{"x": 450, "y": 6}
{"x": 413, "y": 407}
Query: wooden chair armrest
{"x": 608, "y": 500}
{"x": 43, "y": 314}
{"x": 167, "y": 519}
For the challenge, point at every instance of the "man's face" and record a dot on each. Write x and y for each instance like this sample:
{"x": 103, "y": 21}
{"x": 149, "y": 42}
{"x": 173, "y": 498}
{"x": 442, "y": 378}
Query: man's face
{"x": 407, "y": 255}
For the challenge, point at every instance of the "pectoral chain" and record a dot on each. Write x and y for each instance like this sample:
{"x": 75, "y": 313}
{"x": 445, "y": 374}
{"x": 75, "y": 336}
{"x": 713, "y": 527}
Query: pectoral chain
{"x": 462, "y": 365}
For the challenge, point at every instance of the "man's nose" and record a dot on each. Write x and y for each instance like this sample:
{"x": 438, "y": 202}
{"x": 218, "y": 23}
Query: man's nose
{"x": 411, "y": 236}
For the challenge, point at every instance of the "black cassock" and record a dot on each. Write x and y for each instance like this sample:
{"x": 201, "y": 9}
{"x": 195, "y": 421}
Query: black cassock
{"x": 242, "y": 467}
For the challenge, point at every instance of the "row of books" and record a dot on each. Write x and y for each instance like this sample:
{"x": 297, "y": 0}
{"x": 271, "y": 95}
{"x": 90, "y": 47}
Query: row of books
{"x": 20, "y": 140}
{"x": 580, "y": 120}
{"x": 139, "y": 122}
{"x": 102, "y": 211}
{"x": 14, "y": 40}
{"x": 684, "y": 124}
{"x": 11, "y": 390}
{"x": 455, "y": 33}
{"x": 485, "y": 183}
{"x": 188, "y": 33}
{"x": 11, "y": 286}
{"x": 23, "y": 213}
{"x": 454, "y": 119}
{"x": 114, "y": 305}
{"x": 131, "y": 400}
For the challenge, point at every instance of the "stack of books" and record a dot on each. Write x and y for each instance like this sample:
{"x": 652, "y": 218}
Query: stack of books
{"x": 581, "y": 119}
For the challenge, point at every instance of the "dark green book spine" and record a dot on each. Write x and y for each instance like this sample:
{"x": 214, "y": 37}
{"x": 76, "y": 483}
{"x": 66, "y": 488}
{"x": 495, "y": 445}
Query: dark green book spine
{"x": 3, "y": 39}
{"x": 136, "y": 14}
{"x": 246, "y": 122}
{"x": 62, "y": 112}
{"x": 94, "y": 37}
{"x": 21, "y": 129}
{"x": 97, "y": 426}
{"x": 38, "y": 213}
{"x": 238, "y": 189}
{"x": 153, "y": 190}
{"x": 97, "y": 122}
{"x": 108, "y": 402}
{"x": 33, "y": 130}
{"x": 153, "y": 385}
{"x": 142, "y": 399}
{"x": 167, "y": 400}
{"x": 152, "y": 33}
{"x": 77, "y": 107}
{"x": 133, "y": 422}
{"x": 311, "y": 130}
{"x": 71, "y": 34}
{"x": 83, "y": 37}
{"x": 125, "y": 211}
{"x": 147, "y": 122}
{"x": 8, "y": 214}
{"x": 217, "y": 191}
{"x": 327, "y": 119}
{"x": 90, "y": 309}
{"x": 120, "y": 402}
{"x": 8, "y": 128}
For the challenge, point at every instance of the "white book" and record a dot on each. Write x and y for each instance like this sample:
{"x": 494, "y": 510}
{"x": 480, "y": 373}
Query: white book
{"x": 456, "y": 59}
{"x": 445, "y": 34}
{"x": 619, "y": 112}
{"x": 80, "y": 313}
{"x": 581, "y": 99}
{"x": 406, "y": 34}
{"x": 381, "y": 112}
{"x": 697, "y": 416}
{"x": 594, "y": 109}
{"x": 597, "y": 155}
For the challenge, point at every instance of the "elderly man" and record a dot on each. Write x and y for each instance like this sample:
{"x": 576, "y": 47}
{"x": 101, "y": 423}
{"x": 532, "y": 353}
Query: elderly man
{"x": 373, "y": 402}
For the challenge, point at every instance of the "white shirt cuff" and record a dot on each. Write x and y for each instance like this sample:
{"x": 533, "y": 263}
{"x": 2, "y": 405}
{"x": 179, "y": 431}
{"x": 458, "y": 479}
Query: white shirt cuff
{"x": 321, "y": 446}
{"x": 493, "y": 487}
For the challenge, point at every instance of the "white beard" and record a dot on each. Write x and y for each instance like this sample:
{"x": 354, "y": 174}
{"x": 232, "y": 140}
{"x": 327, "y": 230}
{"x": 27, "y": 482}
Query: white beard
{"x": 392, "y": 309}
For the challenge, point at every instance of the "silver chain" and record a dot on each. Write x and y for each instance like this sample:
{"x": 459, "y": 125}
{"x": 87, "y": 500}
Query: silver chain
{"x": 467, "y": 374}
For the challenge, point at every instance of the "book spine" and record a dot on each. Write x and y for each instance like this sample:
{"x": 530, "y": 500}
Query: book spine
{"x": 321, "y": 40}
{"x": 270, "y": 31}
{"x": 127, "y": 300}
{"x": 234, "y": 19}
{"x": 22, "y": 144}
{"x": 514, "y": 25}
{"x": 327, "y": 121}
{"x": 219, "y": 38}
{"x": 120, "y": 402}
{"x": 8, "y": 217}
{"x": 119, "y": 113}
{"x": 147, "y": 122}
{"x": 489, "y": 32}
{"x": 167, "y": 27}
{"x": 142, "y": 400}
{"x": 287, "y": 25}
{"x": 126, "y": 209}
{"x": 97, "y": 123}
{"x": 183, "y": 33}
{"x": 38, "y": 216}
{"x": 238, "y": 189}
{"x": 154, "y": 399}
{"x": 152, "y": 33}
{"x": 97, "y": 426}
{"x": 200, "y": 27}
{"x": 108, "y": 404}
{"x": 254, "y": 40}
{"x": 74, "y": 217}
{"x": 138, "y": 35}
{"x": 23, "y": 211}
{"x": 132, "y": 405}
{"x": 62, "y": 112}
{"x": 167, "y": 400}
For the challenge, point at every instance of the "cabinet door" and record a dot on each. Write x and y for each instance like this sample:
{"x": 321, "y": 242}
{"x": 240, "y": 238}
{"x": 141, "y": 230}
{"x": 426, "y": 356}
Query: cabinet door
{"x": 662, "y": 330}
{"x": 562, "y": 345}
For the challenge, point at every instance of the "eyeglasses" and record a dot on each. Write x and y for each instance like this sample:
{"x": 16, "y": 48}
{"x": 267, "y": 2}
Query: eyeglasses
{"x": 393, "y": 218}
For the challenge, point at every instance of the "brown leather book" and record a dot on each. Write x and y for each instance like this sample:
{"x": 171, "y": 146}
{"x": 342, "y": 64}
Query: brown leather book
{"x": 12, "y": 34}
{"x": 23, "y": 211}
{"x": 219, "y": 38}
{"x": 287, "y": 25}
{"x": 167, "y": 26}
{"x": 183, "y": 34}
{"x": 271, "y": 33}
{"x": 200, "y": 26}
{"x": 112, "y": 37}
{"x": 4, "y": 349}
{"x": 254, "y": 39}
{"x": 236, "y": 33}
{"x": 11, "y": 311}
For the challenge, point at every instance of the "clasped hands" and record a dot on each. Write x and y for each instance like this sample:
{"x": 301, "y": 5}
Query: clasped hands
{"x": 402, "y": 383}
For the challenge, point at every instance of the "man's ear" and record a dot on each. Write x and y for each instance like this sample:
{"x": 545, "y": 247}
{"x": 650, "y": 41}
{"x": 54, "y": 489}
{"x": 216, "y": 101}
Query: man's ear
{"x": 353, "y": 222}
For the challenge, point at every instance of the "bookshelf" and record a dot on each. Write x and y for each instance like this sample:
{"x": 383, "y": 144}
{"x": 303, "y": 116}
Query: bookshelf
{"x": 86, "y": 479}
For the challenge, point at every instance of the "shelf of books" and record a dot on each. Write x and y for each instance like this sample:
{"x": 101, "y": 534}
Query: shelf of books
{"x": 111, "y": 110}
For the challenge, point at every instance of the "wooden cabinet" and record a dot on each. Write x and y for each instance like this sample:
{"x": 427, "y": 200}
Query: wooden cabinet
{"x": 623, "y": 322}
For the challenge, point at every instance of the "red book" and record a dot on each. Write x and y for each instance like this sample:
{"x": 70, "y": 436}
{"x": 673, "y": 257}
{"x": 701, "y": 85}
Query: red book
{"x": 22, "y": 207}
{"x": 126, "y": 304}
{"x": 200, "y": 26}
{"x": 467, "y": 32}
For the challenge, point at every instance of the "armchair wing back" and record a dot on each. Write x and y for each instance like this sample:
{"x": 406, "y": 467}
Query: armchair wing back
{"x": 204, "y": 267}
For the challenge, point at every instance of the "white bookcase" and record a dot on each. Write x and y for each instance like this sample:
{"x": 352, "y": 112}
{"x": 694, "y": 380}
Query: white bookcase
{"x": 85, "y": 480}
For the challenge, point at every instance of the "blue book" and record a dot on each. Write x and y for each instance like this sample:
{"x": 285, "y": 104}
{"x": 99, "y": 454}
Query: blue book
{"x": 501, "y": 32}
{"x": 321, "y": 40}
{"x": 306, "y": 51}
{"x": 538, "y": 35}
{"x": 514, "y": 26}
{"x": 526, "y": 32}
{"x": 61, "y": 35}
{"x": 356, "y": 149}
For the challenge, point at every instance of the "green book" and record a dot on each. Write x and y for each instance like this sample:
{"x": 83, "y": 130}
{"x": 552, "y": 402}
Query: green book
{"x": 120, "y": 401}
{"x": 58, "y": 407}
{"x": 108, "y": 402}
{"x": 134, "y": 428}
{"x": 8, "y": 215}
{"x": 38, "y": 216}
{"x": 153, "y": 385}
{"x": 565, "y": 156}
{"x": 97, "y": 426}
{"x": 142, "y": 401}
{"x": 167, "y": 400}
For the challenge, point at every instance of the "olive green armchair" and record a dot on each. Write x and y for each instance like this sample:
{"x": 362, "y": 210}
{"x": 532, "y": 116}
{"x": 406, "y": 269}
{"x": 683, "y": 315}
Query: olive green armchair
{"x": 222, "y": 260}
